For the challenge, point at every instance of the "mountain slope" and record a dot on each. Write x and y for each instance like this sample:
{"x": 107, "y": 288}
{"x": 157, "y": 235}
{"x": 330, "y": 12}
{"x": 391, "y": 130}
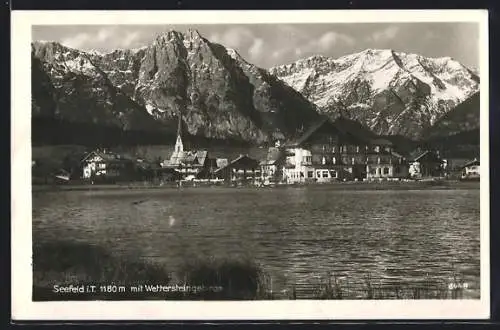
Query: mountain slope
{"x": 391, "y": 92}
{"x": 218, "y": 93}
{"x": 463, "y": 118}
{"x": 82, "y": 91}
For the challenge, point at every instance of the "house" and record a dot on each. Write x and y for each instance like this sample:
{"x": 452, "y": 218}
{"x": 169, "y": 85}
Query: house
{"x": 341, "y": 150}
{"x": 471, "y": 170}
{"x": 271, "y": 168}
{"x": 298, "y": 165}
{"x": 106, "y": 165}
{"x": 425, "y": 163}
{"x": 383, "y": 162}
{"x": 189, "y": 164}
{"x": 453, "y": 166}
{"x": 241, "y": 170}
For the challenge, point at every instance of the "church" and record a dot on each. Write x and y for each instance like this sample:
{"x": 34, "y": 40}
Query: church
{"x": 188, "y": 163}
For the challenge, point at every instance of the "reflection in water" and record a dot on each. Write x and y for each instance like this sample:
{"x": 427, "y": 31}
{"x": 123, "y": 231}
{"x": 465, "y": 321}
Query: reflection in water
{"x": 296, "y": 234}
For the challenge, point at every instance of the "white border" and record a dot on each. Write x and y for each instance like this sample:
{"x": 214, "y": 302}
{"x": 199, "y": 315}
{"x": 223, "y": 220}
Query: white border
{"x": 24, "y": 309}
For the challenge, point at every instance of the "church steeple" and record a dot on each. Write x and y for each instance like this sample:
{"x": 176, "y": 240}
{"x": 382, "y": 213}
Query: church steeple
{"x": 179, "y": 147}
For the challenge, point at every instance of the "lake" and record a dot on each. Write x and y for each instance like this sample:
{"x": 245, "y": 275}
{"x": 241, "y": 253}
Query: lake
{"x": 297, "y": 235}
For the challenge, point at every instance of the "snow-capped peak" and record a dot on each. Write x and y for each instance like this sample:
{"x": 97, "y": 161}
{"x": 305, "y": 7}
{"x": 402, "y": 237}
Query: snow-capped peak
{"x": 375, "y": 78}
{"x": 233, "y": 53}
{"x": 95, "y": 52}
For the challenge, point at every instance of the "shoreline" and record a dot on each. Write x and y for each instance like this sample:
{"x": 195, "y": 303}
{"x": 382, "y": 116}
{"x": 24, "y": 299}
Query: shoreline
{"x": 373, "y": 185}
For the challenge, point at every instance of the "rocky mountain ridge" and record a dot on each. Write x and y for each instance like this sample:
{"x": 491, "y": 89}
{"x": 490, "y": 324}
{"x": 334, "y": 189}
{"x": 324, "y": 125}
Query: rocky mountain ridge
{"x": 390, "y": 92}
{"x": 222, "y": 96}
{"x": 218, "y": 93}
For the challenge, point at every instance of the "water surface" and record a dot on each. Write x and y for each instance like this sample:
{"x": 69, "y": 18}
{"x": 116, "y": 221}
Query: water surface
{"x": 296, "y": 234}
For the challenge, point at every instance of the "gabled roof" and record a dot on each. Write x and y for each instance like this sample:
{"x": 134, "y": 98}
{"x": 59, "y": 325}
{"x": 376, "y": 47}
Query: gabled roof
{"x": 354, "y": 128}
{"x": 346, "y": 127}
{"x": 187, "y": 158}
{"x": 243, "y": 158}
{"x": 418, "y": 154}
{"x": 243, "y": 161}
{"x": 307, "y": 134}
{"x": 398, "y": 155}
{"x": 474, "y": 162}
{"x": 106, "y": 156}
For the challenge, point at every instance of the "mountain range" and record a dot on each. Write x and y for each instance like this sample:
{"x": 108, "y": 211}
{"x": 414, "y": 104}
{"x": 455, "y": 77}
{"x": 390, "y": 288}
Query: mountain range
{"x": 393, "y": 93}
{"x": 221, "y": 96}
{"x": 218, "y": 94}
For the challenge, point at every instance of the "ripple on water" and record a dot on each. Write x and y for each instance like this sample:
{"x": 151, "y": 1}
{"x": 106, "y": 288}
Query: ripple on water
{"x": 298, "y": 234}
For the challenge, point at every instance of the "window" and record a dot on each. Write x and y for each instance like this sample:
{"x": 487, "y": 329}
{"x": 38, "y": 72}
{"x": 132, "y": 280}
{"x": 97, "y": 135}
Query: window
{"x": 352, "y": 161}
{"x": 334, "y": 160}
{"x": 323, "y": 161}
{"x": 357, "y": 149}
{"x": 310, "y": 174}
{"x": 318, "y": 174}
{"x": 377, "y": 148}
{"x": 378, "y": 160}
{"x": 325, "y": 174}
{"x": 324, "y": 148}
{"x": 386, "y": 170}
{"x": 333, "y": 173}
{"x": 333, "y": 149}
{"x": 366, "y": 148}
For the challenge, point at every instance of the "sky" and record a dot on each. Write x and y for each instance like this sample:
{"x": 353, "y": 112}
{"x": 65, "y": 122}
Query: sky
{"x": 268, "y": 45}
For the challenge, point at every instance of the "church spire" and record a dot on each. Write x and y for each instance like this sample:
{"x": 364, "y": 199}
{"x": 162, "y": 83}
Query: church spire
{"x": 178, "y": 143}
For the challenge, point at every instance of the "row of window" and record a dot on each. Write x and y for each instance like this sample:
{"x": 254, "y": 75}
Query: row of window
{"x": 295, "y": 175}
{"x": 377, "y": 171}
{"x": 324, "y": 160}
{"x": 310, "y": 174}
{"x": 344, "y": 148}
{"x": 384, "y": 170}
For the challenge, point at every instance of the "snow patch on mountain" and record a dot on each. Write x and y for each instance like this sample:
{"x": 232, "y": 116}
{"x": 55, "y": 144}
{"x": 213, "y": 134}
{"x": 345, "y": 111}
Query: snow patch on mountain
{"x": 393, "y": 87}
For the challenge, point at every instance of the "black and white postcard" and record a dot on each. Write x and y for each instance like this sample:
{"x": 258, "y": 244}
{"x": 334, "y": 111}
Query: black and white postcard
{"x": 250, "y": 165}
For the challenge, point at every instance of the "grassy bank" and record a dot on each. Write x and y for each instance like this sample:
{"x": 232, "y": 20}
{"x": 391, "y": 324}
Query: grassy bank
{"x": 81, "y": 265}
{"x": 64, "y": 263}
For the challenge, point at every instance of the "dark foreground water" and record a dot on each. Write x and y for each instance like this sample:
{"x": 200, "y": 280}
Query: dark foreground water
{"x": 296, "y": 234}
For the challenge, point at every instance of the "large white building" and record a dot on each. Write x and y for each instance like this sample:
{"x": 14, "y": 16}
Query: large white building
{"x": 298, "y": 165}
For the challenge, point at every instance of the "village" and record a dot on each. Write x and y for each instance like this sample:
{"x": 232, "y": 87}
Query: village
{"x": 329, "y": 151}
